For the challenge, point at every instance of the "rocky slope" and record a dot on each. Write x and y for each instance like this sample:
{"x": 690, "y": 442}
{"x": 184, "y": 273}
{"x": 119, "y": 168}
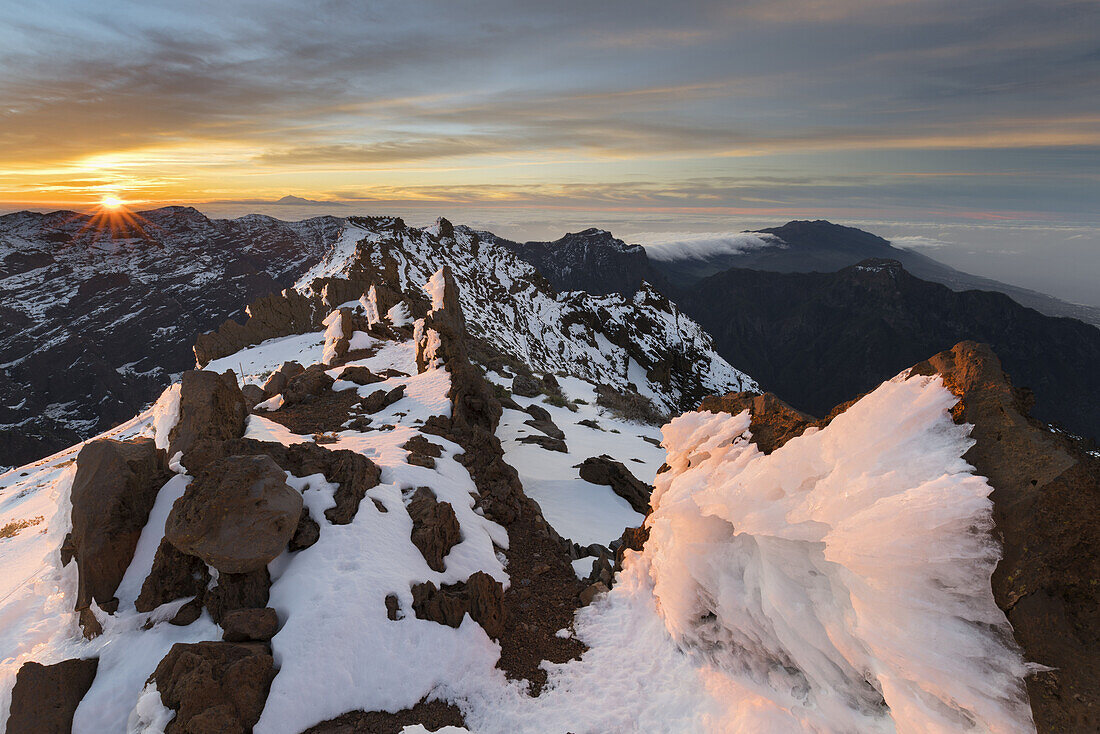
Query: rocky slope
{"x": 93, "y": 322}
{"x": 641, "y": 345}
{"x": 818, "y": 338}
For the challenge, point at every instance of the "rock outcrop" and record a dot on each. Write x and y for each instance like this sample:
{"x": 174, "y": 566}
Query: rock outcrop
{"x": 212, "y": 409}
{"x": 773, "y": 422}
{"x": 214, "y": 687}
{"x": 605, "y": 470}
{"x": 435, "y": 527}
{"x": 238, "y": 516}
{"x": 45, "y": 697}
{"x": 1046, "y": 501}
{"x": 279, "y": 314}
{"x": 481, "y": 596}
{"x": 114, "y": 489}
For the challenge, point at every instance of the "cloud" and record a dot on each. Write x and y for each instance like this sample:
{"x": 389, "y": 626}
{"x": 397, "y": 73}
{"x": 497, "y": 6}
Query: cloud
{"x": 667, "y": 246}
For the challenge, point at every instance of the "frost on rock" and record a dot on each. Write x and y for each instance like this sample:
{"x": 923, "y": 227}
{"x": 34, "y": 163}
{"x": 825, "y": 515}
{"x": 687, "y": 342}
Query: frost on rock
{"x": 845, "y": 577}
{"x": 399, "y": 315}
{"x": 150, "y": 715}
{"x": 166, "y": 414}
{"x": 369, "y": 302}
{"x": 333, "y": 334}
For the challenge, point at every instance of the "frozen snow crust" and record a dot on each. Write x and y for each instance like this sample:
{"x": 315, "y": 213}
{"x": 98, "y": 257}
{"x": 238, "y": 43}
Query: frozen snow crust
{"x": 843, "y": 579}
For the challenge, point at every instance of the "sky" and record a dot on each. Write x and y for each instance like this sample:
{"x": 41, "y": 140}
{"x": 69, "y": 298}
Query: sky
{"x": 968, "y": 129}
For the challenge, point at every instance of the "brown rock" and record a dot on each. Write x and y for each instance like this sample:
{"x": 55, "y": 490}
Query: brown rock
{"x": 355, "y": 474}
{"x": 481, "y": 596}
{"x": 212, "y": 409}
{"x": 277, "y": 380}
{"x": 306, "y": 534}
{"x": 242, "y": 625}
{"x": 526, "y": 386}
{"x": 435, "y": 527}
{"x": 237, "y": 517}
{"x": 590, "y": 593}
{"x": 380, "y": 399}
{"x": 420, "y": 445}
{"x": 174, "y": 575}
{"x": 271, "y": 316}
{"x": 214, "y": 687}
{"x": 360, "y": 375}
{"x": 632, "y": 539}
{"x": 238, "y": 591}
{"x": 1046, "y": 501}
{"x": 546, "y": 442}
{"x": 253, "y": 395}
{"x": 114, "y": 489}
{"x": 308, "y": 384}
{"x": 45, "y": 697}
{"x": 605, "y": 470}
{"x": 773, "y": 422}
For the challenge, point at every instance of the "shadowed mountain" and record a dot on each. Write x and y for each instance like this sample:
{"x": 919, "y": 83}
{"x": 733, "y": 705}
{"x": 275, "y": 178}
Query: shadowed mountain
{"x": 93, "y": 324}
{"x": 816, "y": 339}
{"x": 593, "y": 260}
{"x": 824, "y": 247}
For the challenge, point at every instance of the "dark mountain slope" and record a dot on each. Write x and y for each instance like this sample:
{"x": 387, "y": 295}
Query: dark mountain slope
{"x": 593, "y": 260}
{"x": 92, "y": 325}
{"x": 816, "y": 339}
{"x": 824, "y": 247}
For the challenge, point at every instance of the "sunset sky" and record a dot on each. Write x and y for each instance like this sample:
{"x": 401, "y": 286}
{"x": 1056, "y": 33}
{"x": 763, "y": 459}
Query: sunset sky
{"x": 932, "y": 113}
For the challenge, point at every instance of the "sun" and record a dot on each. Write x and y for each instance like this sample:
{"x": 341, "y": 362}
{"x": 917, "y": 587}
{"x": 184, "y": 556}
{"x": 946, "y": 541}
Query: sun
{"x": 110, "y": 202}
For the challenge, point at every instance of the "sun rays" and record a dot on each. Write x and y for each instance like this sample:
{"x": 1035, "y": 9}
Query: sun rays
{"x": 112, "y": 219}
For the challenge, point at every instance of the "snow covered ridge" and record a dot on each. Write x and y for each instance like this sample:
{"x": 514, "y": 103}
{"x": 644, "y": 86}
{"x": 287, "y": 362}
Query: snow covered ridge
{"x": 644, "y": 342}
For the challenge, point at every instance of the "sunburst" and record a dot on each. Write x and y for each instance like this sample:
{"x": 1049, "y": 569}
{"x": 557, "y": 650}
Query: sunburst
{"x": 113, "y": 219}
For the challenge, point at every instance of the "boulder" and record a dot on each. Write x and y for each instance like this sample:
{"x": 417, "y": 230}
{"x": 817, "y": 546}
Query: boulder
{"x": 277, "y": 380}
{"x": 253, "y": 395}
{"x": 242, "y": 625}
{"x": 548, "y": 427}
{"x": 481, "y": 596}
{"x": 526, "y": 386}
{"x": 306, "y": 385}
{"x": 435, "y": 527}
{"x": 306, "y": 534}
{"x": 212, "y": 410}
{"x": 238, "y": 516}
{"x": 353, "y": 472}
{"x": 546, "y": 442}
{"x": 45, "y": 697}
{"x": 591, "y": 592}
{"x": 114, "y": 489}
{"x": 632, "y": 539}
{"x": 381, "y": 399}
{"x": 238, "y": 591}
{"x": 214, "y": 687}
{"x": 174, "y": 575}
{"x": 360, "y": 375}
{"x": 605, "y": 470}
